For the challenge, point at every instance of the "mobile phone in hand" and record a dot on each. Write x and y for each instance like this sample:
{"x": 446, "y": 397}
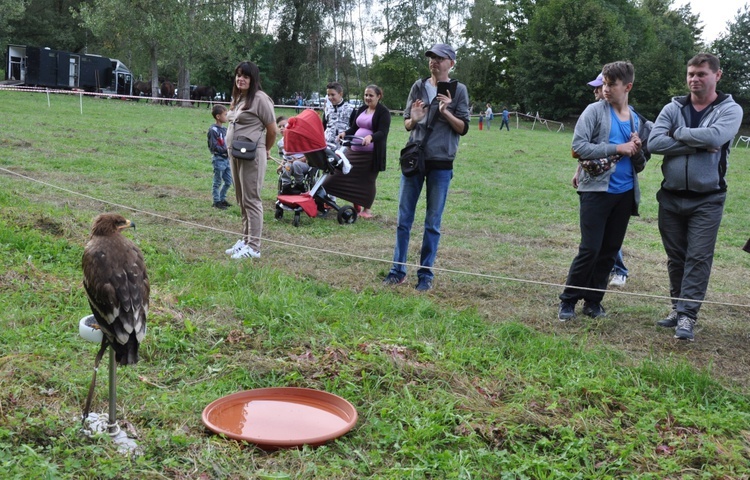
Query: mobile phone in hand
{"x": 444, "y": 87}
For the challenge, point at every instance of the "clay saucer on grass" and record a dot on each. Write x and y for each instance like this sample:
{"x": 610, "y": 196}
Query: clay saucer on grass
{"x": 281, "y": 417}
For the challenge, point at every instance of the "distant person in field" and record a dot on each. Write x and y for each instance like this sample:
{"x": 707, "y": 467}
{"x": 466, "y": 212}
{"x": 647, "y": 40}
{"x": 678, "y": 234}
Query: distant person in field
{"x": 451, "y": 121}
{"x": 251, "y": 117}
{"x": 506, "y": 119}
{"x": 694, "y": 133}
{"x": 605, "y": 130}
{"x": 488, "y": 115}
{"x": 217, "y": 145}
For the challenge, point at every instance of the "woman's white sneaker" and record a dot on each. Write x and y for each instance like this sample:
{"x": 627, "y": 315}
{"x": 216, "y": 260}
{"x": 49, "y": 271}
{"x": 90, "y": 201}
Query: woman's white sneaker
{"x": 235, "y": 248}
{"x": 246, "y": 252}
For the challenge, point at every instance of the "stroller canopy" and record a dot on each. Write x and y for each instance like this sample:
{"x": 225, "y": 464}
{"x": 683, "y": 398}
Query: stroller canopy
{"x": 304, "y": 133}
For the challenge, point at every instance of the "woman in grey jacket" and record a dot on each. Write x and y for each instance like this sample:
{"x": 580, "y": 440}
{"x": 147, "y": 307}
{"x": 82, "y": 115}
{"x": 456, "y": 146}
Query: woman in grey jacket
{"x": 607, "y": 200}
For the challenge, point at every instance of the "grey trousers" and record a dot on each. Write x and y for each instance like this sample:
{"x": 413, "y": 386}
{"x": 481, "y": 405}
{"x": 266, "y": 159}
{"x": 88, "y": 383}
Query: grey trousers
{"x": 688, "y": 228}
{"x": 248, "y": 178}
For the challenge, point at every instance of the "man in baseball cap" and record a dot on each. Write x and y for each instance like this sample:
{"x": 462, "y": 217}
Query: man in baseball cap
{"x": 441, "y": 50}
{"x": 440, "y": 117}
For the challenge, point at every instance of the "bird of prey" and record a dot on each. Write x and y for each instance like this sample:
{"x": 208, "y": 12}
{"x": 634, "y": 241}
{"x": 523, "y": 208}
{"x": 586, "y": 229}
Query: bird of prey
{"x": 117, "y": 287}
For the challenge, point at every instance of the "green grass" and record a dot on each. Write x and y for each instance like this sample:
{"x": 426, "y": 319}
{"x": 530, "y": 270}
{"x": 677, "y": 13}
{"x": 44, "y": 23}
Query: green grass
{"x": 475, "y": 380}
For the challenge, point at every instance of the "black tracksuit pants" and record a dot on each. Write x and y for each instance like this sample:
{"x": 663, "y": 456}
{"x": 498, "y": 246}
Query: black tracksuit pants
{"x": 604, "y": 220}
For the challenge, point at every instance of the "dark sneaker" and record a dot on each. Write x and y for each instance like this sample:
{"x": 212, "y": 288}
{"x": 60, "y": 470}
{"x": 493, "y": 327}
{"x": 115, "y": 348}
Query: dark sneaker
{"x": 225, "y": 203}
{"x": 670, "y": 321}
{"x": 684, "y": 330}
{"x": 424, "y": 284}
{"x": 594, "y": 309}
{"x": 566, "y": 311}
{"x": 220, "y": 206}
{"x": 393, "y": 279}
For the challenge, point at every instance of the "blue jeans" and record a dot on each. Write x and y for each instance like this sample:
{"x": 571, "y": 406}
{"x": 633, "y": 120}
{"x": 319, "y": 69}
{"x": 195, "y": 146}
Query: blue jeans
{"x": 222, "y": 172}
{"x": 619, "y": 268}
{"x": 410, "y": 189}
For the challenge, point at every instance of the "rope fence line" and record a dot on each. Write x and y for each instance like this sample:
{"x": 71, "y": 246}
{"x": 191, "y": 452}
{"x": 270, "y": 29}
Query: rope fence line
{"x": 362, "y": 257}
{"x": 82, "y": 93}
{"x": 533, "y": 119}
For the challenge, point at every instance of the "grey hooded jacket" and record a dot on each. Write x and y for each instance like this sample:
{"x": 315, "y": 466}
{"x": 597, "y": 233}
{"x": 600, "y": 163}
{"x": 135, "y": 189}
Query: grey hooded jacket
{"x": 442, "y": 145}
{"x": 695, "y": 159}
{"x": 591, "y": 140}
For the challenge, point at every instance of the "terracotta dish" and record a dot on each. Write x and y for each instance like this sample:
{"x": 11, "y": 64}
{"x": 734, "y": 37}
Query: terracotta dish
{"x": 281, "y": 417}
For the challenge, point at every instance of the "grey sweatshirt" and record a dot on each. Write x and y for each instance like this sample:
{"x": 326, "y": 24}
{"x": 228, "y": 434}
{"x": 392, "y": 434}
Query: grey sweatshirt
{"x": 695, "y": 159}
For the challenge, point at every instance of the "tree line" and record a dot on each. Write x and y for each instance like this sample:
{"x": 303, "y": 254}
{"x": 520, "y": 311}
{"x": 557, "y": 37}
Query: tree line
{"x": 531, "y": 55}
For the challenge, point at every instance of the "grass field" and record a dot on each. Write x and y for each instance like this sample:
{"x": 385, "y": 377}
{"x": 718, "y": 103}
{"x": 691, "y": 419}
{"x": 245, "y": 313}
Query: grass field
{"x": 475, "y": 380}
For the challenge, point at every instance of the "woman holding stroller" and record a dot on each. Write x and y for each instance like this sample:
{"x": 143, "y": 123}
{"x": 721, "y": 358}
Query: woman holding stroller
{"x": 251, "y": 117}
{"x": 371, "y": 124}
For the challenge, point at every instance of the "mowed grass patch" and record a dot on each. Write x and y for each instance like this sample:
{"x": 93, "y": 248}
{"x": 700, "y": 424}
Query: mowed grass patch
{"x": 474, "y": 380}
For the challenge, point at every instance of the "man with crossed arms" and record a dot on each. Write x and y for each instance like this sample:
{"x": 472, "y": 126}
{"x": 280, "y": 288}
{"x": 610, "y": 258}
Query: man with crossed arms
{"x": 694, "y": 133}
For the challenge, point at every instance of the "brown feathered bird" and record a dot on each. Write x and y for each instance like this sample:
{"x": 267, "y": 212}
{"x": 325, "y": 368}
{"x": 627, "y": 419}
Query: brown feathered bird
{"x": 116, "y": 283}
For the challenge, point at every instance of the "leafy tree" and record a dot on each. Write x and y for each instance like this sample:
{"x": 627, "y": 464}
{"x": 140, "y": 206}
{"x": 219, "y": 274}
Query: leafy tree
{"x": 412, "y": 26}
{"x": 568, "y": 42}
{"x": 140, "y": 25}
{"x": 395, "y": 73}
{"x": 403, "y": 28}
{"x": 10, "y": 12}
{"x": 485, "y": 57}
{"x": 45, "y": 23}
{"x": 733, "y": 49}
{"x": 667, "y": 40}
{"x": 299, "y": 19}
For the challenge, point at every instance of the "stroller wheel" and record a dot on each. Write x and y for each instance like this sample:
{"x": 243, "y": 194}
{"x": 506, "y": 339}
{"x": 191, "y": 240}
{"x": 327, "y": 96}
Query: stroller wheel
{"x": 347, "y": 215}
{"x": 295, "y": 220}
{"x": 279, "y": 213}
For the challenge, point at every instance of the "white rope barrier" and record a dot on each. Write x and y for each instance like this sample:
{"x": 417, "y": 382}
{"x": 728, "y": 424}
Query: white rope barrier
{"x": 296, "y": 246}
{"x": 110, "y": 95}
{"x": 82, "y": 93}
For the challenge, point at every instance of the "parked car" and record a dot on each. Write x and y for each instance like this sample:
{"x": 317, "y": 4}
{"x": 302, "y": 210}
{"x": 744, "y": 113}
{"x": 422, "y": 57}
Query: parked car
{"x": 316, "y": 100}
{"x": 356, "y": 102}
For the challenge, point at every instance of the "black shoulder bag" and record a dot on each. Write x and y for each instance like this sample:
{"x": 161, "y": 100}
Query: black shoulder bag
{"x": 412, "y": 155}
{"x": 244, "y": 148}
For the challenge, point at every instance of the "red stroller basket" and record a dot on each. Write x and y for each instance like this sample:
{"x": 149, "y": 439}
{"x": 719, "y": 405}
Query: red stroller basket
{"x": 304, "y": 134}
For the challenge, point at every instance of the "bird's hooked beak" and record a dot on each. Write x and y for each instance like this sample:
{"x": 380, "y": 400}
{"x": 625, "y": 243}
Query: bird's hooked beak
{"x": 127, "y": 224}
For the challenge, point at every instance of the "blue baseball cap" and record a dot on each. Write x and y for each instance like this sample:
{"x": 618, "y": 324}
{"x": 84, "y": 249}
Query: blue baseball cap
{"x": 441, "y": 50}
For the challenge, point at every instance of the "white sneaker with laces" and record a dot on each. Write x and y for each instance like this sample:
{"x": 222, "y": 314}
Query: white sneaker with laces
{"x": 618, "y": 281}
{"x": 235, "y": 248}
{"x": 246, "y": 252}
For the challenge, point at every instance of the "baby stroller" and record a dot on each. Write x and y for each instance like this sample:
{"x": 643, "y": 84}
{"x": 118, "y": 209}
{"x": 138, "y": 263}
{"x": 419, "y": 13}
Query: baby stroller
{"x": 295, "y": 175}
{"x": 304, "y": 134}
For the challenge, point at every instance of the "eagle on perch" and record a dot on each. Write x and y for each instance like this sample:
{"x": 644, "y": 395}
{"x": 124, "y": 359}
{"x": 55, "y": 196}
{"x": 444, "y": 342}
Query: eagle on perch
{"x": 117, "y": 287}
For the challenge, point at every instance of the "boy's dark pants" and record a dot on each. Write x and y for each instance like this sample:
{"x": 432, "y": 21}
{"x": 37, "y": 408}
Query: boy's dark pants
{"x": 604, "y": 220}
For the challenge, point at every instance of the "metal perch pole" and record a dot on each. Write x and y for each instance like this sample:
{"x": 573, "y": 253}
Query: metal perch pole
{"x": 112, "y": 427}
